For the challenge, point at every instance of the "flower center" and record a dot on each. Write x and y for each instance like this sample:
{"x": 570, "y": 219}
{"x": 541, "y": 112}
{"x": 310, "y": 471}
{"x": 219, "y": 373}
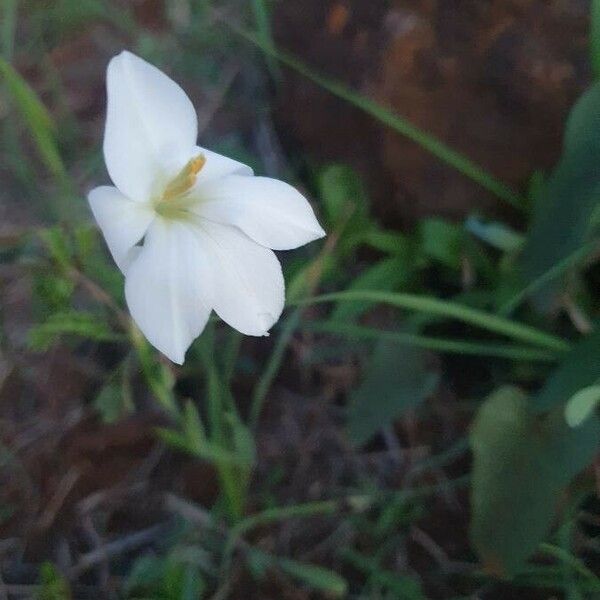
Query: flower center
{"x": 172, "y": 204}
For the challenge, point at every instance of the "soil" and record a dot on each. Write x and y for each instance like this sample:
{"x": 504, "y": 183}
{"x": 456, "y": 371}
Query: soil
{"x": 493, "y": 79}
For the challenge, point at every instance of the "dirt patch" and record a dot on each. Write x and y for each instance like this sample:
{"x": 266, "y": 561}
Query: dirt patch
{"x": 494, "y": 79}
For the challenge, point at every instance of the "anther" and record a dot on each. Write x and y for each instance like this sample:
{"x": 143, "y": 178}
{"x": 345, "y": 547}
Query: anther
{"x": 186, "y": 178}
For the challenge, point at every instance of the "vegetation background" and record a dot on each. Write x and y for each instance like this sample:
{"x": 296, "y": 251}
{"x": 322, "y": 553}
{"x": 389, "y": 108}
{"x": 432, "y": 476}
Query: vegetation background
{"x": 422, "y": 423}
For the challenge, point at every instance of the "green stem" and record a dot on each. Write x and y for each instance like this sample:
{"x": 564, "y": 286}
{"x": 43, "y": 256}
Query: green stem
{"x": 231, "y": 481}
{"x": 444, "y": 308}
{"x": 431, "y": 343}
{"x": 270, "y": 372}
{"x": 399, "y": 124}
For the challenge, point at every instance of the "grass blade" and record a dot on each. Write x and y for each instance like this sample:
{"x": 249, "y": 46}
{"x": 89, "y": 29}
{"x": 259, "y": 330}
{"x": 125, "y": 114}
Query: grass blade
{"x": 452, "y": 310}
{"x": 8, "y": 28}
{"x": 263, "y": 27}
{"x": 427, "y": 141}
{"x": 444, "y": 346}
{"x": 37, "y": 118}
{"x": 595, "y": 37}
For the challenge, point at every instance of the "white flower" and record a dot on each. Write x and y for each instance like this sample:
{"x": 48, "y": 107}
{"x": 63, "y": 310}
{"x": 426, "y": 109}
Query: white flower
{"x": 191, "y": 230}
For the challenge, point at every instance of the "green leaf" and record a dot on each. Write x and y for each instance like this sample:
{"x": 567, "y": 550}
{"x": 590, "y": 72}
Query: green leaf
{"x": 583, "y": 121}
{"x": 391, "y": 242}
{"x": 59, "y": 246}
{"x": 342, "y": 192}
{"x": 146, "y": 572}
{"x": 36, "y": 117}
{"x": 345, "y": 205}
{"x": 397, "y": 379}
{"x": 595, "y": 37}
{"x": 563, "y": 211}
{"x": 312, "y": 576}
{"x": 115, "y": 399}
{"x": 582, "y": 405}
{"x": 193, "y": 427}
{"x": 386, "y": 275}
{"x": 81, "y": 324}
{"x": 53, "y": 585}
{"x": 315, "y": 577}
{"x": 521, "y": 464}
{"x": 442, "y": 241}
{"x": 496, "y": 234}
{"x": 580, "y": 368}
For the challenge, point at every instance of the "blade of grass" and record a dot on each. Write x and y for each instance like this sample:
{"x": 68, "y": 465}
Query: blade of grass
{"x": 452, "y": 310}
{"x": 595, "y": 37}
{"x": 9, "y": 25}
{"x": 399, "y": 124}
{"x": 313, "y": 276}
{"x": 263, "y": 28}
{"x": 564, "y": 556}
{"x": 36, "y": 117}
{"x": 444, "y": 346}
{"x": 275, "y": 359}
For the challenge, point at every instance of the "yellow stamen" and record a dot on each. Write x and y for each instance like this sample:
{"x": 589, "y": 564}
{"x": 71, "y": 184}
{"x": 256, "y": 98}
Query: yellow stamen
{"x": 186, "y": 178}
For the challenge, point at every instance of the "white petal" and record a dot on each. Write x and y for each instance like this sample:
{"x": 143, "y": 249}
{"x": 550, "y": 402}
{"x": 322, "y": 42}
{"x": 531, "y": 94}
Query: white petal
{"x": 168, "y": 288}
{"x": 217, "y": 166}
{"x": 248, "y": 283}
{"x": 150, "y": 123}
{"x": 122, "y": 221}
{"x": 271, "y": 212}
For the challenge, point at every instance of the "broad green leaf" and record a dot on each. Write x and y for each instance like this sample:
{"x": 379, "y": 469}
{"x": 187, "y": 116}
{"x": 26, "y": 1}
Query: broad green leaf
{"x": 563, "y": 211}
{"x": 582, "y": 405}
{"x": 386, "y": 275}
{"x": 522, "y": 463}
{"x": 396, "y": 380}
{"x": 580, "y": 368}
{"x": 36, "y": 117}
{"x": 583, "y": 122}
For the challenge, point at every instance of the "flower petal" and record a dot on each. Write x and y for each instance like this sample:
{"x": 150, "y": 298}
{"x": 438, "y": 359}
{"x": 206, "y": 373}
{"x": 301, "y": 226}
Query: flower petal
{"x": 249, "y": 289}
{"x": 168, "y": 288}
{"x": 217, "y": 166}
{"x": 122, "y": 221}
{"x": 150, "y": 123}
{"x": 271, "y": 212}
